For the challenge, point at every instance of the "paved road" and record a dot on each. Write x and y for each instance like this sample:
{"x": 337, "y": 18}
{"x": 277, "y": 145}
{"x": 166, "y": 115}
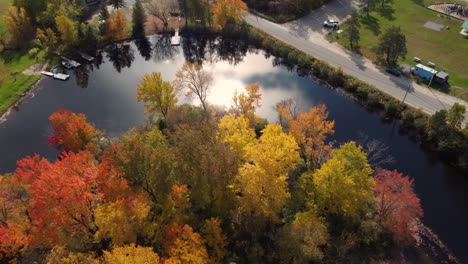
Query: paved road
{"x": 311, "y": 41}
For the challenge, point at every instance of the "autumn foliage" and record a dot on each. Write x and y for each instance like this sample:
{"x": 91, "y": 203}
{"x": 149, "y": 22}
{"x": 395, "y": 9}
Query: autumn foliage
{"x": 205, "y": 189}
{"x": 71, "y": 132}
{"x": 398, "y": 206}
{"x": 228, "y": 11}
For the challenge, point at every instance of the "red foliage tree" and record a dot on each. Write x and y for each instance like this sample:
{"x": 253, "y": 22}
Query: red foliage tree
{"x": 71, "y": 131}
{"x": 63, "y": 196}
{"x": 398, "y": 206}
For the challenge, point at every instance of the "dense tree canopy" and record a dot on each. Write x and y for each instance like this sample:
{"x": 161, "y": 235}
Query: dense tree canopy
{"x": 203, "y": 187}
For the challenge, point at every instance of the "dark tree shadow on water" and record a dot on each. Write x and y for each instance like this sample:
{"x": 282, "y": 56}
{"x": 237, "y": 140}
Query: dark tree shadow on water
{"x": 144, "y": 47}
{"x": 82, "y": 75}
{"x": 121, "y": 56}
{"x": 231, "y": 50}
{"x": 194, "y": 48}
{"x": 371, "y": 23}
{"x": 163, "y": 50}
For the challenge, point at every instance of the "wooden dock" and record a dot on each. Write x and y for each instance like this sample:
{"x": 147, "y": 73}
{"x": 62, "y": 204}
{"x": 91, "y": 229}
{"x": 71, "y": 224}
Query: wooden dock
{"x": 86, "y": 57}
{"x": 175, "y": 40}
{"x": 58, "y": 76}
{"x": 71, "y": 62}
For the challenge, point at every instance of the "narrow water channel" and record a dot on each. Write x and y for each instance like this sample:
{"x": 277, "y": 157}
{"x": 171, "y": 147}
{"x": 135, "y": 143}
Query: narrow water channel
{"x": 105, "y": 92}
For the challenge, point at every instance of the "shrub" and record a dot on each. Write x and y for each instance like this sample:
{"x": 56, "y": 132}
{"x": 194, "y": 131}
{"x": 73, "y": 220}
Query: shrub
{"x": 392, "y": 108}
{"x": 407, "y": 119}
{"x": 363, "y": 92}
{"x": 373, "y": 98}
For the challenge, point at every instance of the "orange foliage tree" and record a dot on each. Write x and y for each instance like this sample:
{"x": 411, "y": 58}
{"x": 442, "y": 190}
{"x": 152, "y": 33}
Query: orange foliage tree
{"x": 117, "y": 26}
{"x": 310, "y": 131}
{"x": 398, "y": 206}
{"x": 183, "y": 245}
{"x": 71, "y": 131}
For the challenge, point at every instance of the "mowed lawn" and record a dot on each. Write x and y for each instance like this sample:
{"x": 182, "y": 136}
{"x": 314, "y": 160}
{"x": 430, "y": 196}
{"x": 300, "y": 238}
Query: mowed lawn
{"x": 446, "y": 48}
{"x": 17, "y": 83}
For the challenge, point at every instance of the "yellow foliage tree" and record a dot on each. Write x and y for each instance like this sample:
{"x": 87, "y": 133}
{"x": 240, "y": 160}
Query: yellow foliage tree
{"x": 343, "y": 184}
{"x": 60, "y": 255}
{"x": 187, "y": 248}
{"x": 262, "y": 180}
{"x": 310, "y": 131}
{"x": 47, "y": 37}
{"x": 236, "y": 132}
{"x": 68, "y": 31}
{"x": 159, "y": 96}
{"x": 121, "y": 221}
{"x": 225, "y": 11}
{"x": 131, "y": 254}
{"x": 117, "y": 26}
{"x": 17, "y": 24}
{"x": 246, "y": 103}
{"x": 215, "y": 239}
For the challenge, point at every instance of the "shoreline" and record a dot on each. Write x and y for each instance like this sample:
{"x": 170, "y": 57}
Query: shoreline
{"x": 28, "y": 94}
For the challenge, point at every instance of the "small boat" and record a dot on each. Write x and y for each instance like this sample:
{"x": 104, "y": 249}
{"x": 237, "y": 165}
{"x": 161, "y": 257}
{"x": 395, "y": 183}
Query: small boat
{"x": 67, "y": 65}
{"x": 61, "y": 76}
{"x": 86, "y": 57}
{"x": 46, "y": 73}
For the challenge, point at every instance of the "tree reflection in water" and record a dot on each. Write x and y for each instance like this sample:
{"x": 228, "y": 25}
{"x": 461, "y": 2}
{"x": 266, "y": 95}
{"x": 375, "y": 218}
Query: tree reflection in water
{"x": 121, "y": 56}
{"x": 163, "y": 50}
{"x": 213, "y": 49}
{"x": 144, "y": 47}
{"x": 82, "y": 74}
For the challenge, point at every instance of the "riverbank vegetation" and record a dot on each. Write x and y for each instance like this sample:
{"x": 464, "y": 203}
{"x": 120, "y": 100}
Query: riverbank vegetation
{"x": 205, "y": 185}
{"x": 446, "y": 48}
{"x": 452, "y": 143}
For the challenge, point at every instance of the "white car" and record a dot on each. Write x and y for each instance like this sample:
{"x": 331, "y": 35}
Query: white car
{"x": 330, "y": 23}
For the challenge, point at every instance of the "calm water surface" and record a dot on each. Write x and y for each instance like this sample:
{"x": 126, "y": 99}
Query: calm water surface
{"x": 105, "y": 92}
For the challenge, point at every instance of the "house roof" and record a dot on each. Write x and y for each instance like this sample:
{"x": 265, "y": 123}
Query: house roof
{"x": 426, "y": 68}
{"x": 442, "y": 75}
{"x": 465, "y": 25}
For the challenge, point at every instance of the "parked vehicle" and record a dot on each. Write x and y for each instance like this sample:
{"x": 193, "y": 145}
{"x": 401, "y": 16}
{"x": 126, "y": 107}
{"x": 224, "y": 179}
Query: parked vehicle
{"x": 331, "y": 23}
{"x": 423, "y": 72}
{"x": 394, "y": 72}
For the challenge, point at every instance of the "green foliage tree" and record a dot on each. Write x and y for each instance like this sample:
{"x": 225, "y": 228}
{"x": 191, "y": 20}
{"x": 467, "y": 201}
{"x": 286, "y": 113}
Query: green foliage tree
{"x": 117, "y": 3}
{"x": 159, "y": 95}
{"x": 300, "y": 241}
{"x": 139, "y": 19}
{"x": 367, "y": 5}
{"x": 392, "y": 45}
{"x": 456, "y": 116}
{"x": 104, "y": 12}
{"x": 352, "y": 32}
{"x": 343, "y": 185}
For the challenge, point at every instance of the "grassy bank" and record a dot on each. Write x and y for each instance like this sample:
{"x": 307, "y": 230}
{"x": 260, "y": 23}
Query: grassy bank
{"x": 13, "y": 89}
{"x": 446, "y": 48}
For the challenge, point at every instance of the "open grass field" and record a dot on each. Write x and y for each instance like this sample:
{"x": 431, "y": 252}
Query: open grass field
{"x": 446, "y": 48}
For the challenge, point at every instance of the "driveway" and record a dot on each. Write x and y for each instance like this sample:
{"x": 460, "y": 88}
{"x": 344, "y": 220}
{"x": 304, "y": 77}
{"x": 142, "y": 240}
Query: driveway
{"x": 307, "y": 35}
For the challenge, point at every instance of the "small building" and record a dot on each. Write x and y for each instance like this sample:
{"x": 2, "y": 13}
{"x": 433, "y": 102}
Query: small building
{"x": 464, "y": 30}
{"x": 423, "y": 72}
{"x": 441, "y": 77}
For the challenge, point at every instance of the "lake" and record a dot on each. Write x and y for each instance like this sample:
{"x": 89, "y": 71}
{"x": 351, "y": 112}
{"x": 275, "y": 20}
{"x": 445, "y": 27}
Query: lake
{"x": 105, "y": 92}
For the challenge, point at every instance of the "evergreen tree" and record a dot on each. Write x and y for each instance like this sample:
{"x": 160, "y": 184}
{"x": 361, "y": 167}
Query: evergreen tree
{"x": 104, "y": 13}
{"x": 139, "y": 19}
{"x": 117, "y": 3}
{"x": 392, "y": 45}
{"x": 352, "y": 33}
